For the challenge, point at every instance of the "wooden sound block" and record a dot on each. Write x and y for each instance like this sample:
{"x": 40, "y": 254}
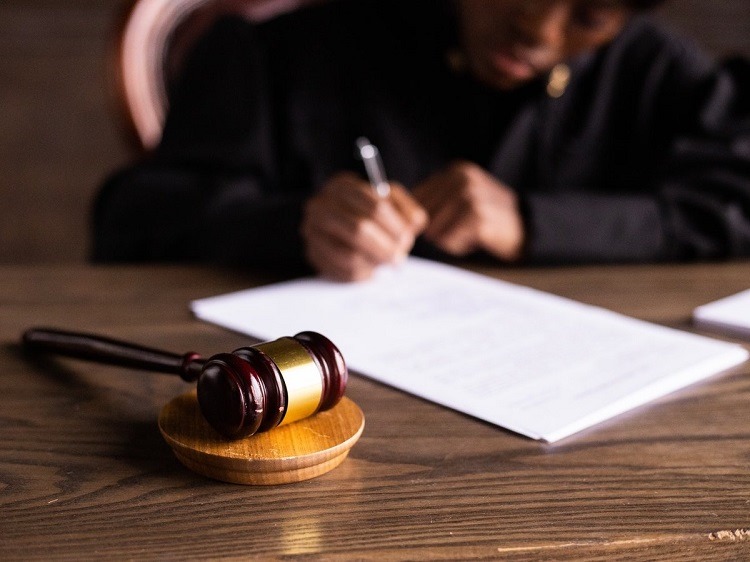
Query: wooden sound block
{"x": 289, "y": 453}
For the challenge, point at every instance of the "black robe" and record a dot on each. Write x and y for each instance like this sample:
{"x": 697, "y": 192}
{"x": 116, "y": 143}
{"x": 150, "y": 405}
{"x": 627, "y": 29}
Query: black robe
{"x": 645, "y": 157}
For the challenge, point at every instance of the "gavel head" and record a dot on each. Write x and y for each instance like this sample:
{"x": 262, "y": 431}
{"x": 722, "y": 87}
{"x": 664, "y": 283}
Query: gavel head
{"x": 257, "y": 388}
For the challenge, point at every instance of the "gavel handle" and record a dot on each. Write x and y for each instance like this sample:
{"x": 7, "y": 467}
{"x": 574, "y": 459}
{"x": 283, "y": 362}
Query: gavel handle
{"x": 113, "y": 352}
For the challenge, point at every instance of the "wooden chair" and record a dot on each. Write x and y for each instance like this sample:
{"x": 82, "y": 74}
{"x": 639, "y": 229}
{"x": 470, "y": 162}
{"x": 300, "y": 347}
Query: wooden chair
{"x": 151, "y": 41}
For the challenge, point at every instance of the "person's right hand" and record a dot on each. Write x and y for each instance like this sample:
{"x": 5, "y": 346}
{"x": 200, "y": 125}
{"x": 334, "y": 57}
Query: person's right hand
{"x": 349, "y": 230}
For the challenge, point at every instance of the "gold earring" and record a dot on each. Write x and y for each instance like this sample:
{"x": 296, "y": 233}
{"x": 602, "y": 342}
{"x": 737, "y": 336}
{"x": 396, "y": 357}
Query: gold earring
{"x": 559, "y": 78}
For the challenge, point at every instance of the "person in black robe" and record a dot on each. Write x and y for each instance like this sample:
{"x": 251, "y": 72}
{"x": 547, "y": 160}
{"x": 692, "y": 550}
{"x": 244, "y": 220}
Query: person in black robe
{"x": 523, "y": 131}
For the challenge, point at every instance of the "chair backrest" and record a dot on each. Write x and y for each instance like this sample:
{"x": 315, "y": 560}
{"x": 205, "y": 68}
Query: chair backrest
{"x": 151, "y": 41}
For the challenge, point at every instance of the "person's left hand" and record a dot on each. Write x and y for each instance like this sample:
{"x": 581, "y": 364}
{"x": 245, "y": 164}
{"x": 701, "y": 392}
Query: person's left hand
{"x": 470, "y": 210}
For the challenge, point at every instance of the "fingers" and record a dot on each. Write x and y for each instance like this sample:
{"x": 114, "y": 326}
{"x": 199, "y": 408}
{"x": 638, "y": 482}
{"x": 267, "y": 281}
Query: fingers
{"x": 471, "y": 210}
{"x": 349, "y": 230}
{"x": 408, "y": 208}
{"x": 336, "y": 261}
{"x": 407, "y": 219}
{"x": 454, "y": 229}
{"x": 447, "y": 196}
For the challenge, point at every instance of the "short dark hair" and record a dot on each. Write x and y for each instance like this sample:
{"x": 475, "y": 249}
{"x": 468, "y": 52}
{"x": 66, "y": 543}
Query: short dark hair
{"x": 643, "y": 4}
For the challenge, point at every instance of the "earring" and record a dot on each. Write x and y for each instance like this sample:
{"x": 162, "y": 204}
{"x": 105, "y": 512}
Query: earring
{"x": 559, "y": 78}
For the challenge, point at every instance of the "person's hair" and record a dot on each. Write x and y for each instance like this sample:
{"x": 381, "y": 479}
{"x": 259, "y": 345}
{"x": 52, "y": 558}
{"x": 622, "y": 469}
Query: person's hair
{"x": 643, "y": 4}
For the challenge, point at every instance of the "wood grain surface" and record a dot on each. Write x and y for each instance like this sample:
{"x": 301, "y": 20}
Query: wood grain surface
{"x": 85, "y": 474}
{"x": 290, "y": 453}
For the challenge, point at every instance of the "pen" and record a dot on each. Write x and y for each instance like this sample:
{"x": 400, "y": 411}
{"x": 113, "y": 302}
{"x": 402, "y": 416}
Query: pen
{"x": 370, "y": 156}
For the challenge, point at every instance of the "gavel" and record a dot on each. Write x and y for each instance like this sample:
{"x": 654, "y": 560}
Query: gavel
{"x": 250, "y": 390}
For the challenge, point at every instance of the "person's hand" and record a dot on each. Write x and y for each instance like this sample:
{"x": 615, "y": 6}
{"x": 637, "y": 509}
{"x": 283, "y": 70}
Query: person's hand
{"x": 349, "y": 230}
{"x": 471, "y": 210}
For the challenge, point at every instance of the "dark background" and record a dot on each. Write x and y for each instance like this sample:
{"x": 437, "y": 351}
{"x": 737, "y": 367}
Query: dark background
{"x": 59, "y": 131}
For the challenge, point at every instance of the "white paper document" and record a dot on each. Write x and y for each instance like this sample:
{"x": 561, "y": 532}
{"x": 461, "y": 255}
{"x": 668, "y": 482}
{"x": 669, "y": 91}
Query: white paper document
{"x": 730, "y": 314}
{"x": 534, "y": 363}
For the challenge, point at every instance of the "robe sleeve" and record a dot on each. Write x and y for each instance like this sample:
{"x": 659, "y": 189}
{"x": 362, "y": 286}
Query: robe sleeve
{"x": 697, "y": 204}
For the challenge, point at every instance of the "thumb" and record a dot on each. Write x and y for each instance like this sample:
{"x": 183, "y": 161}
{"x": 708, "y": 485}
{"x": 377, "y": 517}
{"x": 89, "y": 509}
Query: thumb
{"x": 407, "y": 206}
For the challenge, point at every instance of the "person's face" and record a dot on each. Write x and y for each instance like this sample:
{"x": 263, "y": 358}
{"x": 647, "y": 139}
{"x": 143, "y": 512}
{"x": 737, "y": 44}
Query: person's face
{"x": 509, "y": 42}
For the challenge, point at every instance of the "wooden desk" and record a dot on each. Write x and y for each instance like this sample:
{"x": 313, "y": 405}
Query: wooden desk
{"x": 84, "y": 472}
